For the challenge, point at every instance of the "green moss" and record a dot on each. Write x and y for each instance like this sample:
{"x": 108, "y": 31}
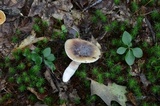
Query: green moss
{"x": 100, "y": 15}
{"x": 155, "y": 14}
{"x": 117, "y": 2}
{"x": 151, "y": 77}
{"x": 145, "y": 104}
{"x": 39, "y": 83}
{"x": 134, "y": 6}
{"x": 90, "y": 99}
{"x": 12, "y": 70}
{"x": 109, "y": 62}
{"x": 145, "y": 44}
{"x": 122, "y": 27}
{"x": 115, "y": 42}
{"x": 77, "y": 101}
{"x": 107, "y": 75}
{"x": 107, "y": 28}
{"x": 158, "y": 35}
{"x": 32, "y": 97}
{"x": 131, "y": 83}
{"x": 118, "y": 69}
{"x": 41, "y": 90}
{"x": 22, "y": 88}
{"x": 19, "y": 80}
{"x": 82, "y": 74}
{"x": 137, "y": 91}
{"x": 48, "y": 100}
{"x": 5, "y": 97}
{"x": 11, "y": 79}
{"x": 14, "y": 39}
{"x": 114, "y": 25}
{"x": 95, "y": 71}
{"x": 35, "y": 69}
{"x": 100, "y": 78}
{"x": 157, "y": 27}
{"x": 120, "y": 79}
{"x": 155, "y": 89}
{"x": 21, "y": 66}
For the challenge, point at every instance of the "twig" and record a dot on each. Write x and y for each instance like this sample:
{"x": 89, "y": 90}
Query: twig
{"x": 150, "y": 28}
{"x": 97, "y": 2}
{"x": 102, "y": 36}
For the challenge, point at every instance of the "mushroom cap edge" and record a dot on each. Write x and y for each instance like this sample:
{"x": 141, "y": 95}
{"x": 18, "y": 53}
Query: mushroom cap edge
{"x": 76, "y": 43}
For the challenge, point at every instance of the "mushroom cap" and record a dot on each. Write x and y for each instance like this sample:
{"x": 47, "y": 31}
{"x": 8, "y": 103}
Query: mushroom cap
{"x": 82, "y": 51}
{"x": 2, "y": 17}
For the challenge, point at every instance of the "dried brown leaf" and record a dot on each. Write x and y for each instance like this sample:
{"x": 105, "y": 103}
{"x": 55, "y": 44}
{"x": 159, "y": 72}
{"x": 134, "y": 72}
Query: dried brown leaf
{"x": 45, "y": 10}
{"x": 38, "y": 95}
{"x": 112, "y": 92}
{"x": 49, "y": 79}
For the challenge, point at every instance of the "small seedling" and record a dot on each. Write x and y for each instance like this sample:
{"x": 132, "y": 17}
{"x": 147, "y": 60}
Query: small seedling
{"x": 132, "y": 53}
{"x": 61, "y": 33}
{"x": 47, "y": 57}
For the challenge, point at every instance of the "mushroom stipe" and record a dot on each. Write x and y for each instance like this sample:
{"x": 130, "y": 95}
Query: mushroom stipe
{"x": 79, "y": 51}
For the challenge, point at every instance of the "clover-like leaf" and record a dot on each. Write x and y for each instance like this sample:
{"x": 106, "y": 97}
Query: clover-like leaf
{"x": 50, "y": 65}
{"x": 46, "y": 52}
{"x": 126, "y": 38}
{"x": 129, "y": 58}
{"x": 51, "y": 57}
{"x": 121, "y": 50}
{"x": 137, "y": 52}
{"x": 26, "y": 52}
{"x": 36, "y": 58}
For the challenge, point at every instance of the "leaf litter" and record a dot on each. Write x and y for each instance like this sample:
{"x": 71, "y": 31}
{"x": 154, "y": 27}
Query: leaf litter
{"x": 20, "y": 16}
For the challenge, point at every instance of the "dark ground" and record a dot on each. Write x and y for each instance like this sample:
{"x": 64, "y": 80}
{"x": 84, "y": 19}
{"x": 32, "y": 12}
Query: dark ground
{"x": 106, "y": 20}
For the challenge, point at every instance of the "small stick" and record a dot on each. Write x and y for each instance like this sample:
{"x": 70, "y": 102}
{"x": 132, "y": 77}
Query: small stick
{"x": 150, "y": 28}
{"x": 97, "y": 2}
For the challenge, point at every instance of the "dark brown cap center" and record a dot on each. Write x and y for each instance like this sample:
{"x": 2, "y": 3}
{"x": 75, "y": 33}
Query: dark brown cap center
{"x": 82, "y": 49}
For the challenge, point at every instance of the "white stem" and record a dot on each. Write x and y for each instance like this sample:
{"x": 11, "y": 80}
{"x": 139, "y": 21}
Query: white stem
{"x": 70, "y": 70}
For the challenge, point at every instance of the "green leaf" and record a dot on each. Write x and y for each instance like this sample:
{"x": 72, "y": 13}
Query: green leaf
{"x": 50, "y": 65}
{"x": 121, "y": 50}
{"x": 129, "y": 58}
{"x": 46, "y": 52}
{"x": 63, "y": 28}
{"x": 137, "y": 52}
{"x": 51, "y": 57}
{"x": 26, "y": 52}
{"x": 130, "y": 45}
{"x": 36, "y": 58}
{"x": 126, "y": 38}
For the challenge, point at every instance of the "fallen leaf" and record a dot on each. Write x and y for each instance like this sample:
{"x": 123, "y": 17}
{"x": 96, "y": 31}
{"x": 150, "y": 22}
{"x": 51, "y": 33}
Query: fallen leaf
{"x": 131, "y": 98}
{"x": 112, "y": 92}
{"x": 57, "y": 9}
{"x": 49, "y": 79}
{"x": 28, "y": 41}
{"x": 38, "y": 95}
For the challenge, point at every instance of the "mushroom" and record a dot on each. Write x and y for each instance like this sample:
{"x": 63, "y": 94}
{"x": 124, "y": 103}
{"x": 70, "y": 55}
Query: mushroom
{"x": 79, "y": 51}
{"x": 2, "y": 17}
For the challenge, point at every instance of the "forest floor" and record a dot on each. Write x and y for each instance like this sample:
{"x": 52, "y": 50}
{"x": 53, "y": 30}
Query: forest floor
{"x": 33, "y": 57}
